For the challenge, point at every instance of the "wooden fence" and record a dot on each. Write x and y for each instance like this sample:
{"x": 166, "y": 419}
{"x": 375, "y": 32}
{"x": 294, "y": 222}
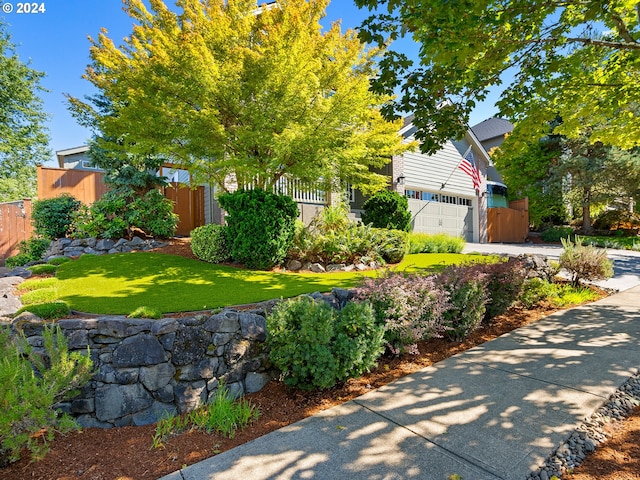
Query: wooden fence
{"x": 509, "y": 225}
{"x": 84, "y": 185}
{"x": 188, "y": 204}
{"x": 15, "y": 226}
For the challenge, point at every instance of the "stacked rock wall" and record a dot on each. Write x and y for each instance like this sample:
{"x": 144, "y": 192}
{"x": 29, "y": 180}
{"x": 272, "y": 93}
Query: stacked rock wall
{"x": 145, "y": 369}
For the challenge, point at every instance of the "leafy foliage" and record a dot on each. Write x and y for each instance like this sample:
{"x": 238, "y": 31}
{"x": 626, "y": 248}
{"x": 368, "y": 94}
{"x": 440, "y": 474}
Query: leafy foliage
{"x": 467, "y": 298}
{"x": 30, "y": 251}
{"x": 386, "y": 209}
{"x": 209, "y": 243}
{"x": 53, "y": 217}
{"x": 332, "y": 237}
{"x": 409, "y": 306}
{"x": 436, "y": 243}
{"x": 573, "y": 59}
{"x": 282, "y": 95}
{"x": 224, "y": 416}
{"x": 555, "y": 234}
{"x": 260, "y": 226}
{"x": 504, "y": 282}
{"x": 392, "y": 245}
{"x": 32, "y": 383}
{"x": 585, "y": 262}
{"x": 316, "y": 346}
{"x": 115, "y": 215}
{"x": 23, "y": 138}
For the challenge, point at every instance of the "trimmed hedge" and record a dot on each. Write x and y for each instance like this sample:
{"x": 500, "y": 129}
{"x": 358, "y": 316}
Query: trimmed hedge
{"x": 209, "y": 243}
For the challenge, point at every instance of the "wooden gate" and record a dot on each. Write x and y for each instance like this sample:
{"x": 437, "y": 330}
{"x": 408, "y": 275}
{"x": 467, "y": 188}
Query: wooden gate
{"x": 509, "y": 225}
{"x": 188, "y": 204}
{"x": 15, "y": 226}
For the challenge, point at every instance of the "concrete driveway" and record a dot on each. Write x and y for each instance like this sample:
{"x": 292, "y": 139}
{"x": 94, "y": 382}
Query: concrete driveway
{"x": 626, "y": 263}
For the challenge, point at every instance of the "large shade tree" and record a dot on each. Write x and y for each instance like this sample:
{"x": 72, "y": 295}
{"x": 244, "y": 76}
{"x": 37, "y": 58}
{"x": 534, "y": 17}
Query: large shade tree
{"x": 228, "y": 90}
{"x": 580, "y": 57}
{"x": 23, "y": 137}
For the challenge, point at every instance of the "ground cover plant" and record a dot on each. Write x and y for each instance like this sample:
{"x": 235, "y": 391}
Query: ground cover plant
{"x": 121, "y": 283}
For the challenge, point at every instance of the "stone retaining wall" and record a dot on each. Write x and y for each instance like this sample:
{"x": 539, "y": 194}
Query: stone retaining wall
{"x": 147, "y": 369}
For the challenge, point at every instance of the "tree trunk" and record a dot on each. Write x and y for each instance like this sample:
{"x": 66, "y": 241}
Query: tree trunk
{"x": 586, "y": 211}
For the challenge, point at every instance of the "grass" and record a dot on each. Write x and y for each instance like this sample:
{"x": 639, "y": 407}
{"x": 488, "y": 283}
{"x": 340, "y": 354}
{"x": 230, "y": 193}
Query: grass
{"x": 121, "y": 283}
{"x": 224, "y": 416}
{"x": 621, "y": 243}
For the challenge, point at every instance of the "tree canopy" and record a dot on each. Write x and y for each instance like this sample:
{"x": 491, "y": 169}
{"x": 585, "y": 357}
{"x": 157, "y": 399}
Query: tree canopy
{"x": 554, "y": 171}
{"x": 577, "y": 59}
{"x": 228, "y": 90}
{"x": 23, "y": 138}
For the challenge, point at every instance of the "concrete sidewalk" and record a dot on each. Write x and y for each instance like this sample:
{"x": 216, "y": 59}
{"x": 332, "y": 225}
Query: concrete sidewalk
{"x": 496, "y": 411}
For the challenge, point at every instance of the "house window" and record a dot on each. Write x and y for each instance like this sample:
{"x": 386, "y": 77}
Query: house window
{"x": 88, "y": 164}
{"x": 464, "y": 201}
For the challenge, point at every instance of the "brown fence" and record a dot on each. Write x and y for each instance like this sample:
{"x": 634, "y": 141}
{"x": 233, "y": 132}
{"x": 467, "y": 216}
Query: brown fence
{"x": 15, "y": 226}
{"x": 188, "y": 204}
{"x": 84, "y": 185}
{"x": 510, "y": 225}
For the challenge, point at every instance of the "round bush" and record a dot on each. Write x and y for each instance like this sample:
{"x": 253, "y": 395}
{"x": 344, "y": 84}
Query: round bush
{"x": 53, "y": 217}
{"x": 387, "y": 209}
{"x": 316, "y": 346}
{"x": 392, "y": 245}
{"x": 260, "y": 226}
{"x": 209, "y": 243}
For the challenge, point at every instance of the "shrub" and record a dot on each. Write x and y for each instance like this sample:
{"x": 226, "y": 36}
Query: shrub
{"x": 118, "y": 214}
{"x": 316, "y": 346}
{"x": 391, "y": 245}
{"x": 40, "y": 295}
{"x": 30, "y": 250}
{"x": 48, "y": 310}
{"x": 209, "y": 243}
{"x": 53, "y": 217}
{"x": 535, "y": 290}
{"x": 332, "y": 218}
{"x": 585, "y": 262}
{"x": 504, "y": 281}
{"x": 617, "y": 220}
{"x": 467, "y": 299}
{"x": 387, "y": 209}
{"x": 19, "y": 260}
{"x": 437, "y": 243}
{"x": 410, "y": 308}
{"x": 555, "y": 234}
{"x": 260, "y": 226}
{"x": 31, "y": 385}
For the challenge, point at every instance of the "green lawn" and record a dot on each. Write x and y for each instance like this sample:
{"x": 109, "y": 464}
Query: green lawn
{"x": 120, "y": 283}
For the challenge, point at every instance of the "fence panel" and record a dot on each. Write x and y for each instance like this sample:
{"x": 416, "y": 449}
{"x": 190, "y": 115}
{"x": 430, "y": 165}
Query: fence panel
{"x": 507, "y": 225}
{"x": 188, "y": 204}
{"x": 15, "y": 226}
{"x": 84, "y": 185}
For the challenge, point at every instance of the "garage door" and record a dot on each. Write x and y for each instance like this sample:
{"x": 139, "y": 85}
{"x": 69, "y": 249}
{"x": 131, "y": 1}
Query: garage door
{"x": 435, "y": 217}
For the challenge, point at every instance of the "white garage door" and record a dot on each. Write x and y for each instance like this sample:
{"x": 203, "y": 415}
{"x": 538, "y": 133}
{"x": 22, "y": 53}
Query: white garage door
{"x": 436, "y": 217}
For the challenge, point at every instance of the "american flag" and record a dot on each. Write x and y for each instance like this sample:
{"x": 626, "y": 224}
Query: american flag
{"x": 468, "y": 166}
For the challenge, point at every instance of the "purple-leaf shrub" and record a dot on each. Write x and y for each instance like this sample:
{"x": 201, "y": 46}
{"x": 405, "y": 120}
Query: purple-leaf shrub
{"x": 467, "y": 298}
{"x": 409, "y": 306}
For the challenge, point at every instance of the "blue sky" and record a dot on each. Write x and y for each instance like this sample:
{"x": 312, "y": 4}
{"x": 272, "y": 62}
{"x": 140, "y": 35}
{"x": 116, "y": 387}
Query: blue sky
{"x": 55, "y": 42}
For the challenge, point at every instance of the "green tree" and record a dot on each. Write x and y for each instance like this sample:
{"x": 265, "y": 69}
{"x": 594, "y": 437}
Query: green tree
{"x": 23, "y": 139}
{"x": 580, "y": 57}
{"x": 227, "y": 90}
{"x": 555, "y": 170}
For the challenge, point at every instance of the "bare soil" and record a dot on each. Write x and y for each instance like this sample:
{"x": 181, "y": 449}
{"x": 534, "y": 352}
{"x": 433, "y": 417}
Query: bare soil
{"x": 127, "y": 454}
